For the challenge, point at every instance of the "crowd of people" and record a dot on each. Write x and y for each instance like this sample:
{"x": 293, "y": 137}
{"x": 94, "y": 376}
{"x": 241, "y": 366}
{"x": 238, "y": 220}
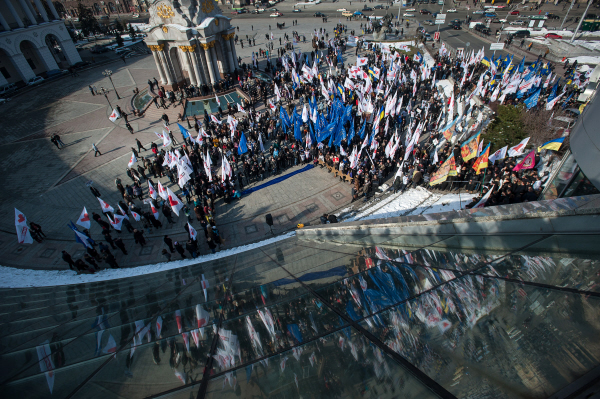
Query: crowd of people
{"x": 381, "y": 116}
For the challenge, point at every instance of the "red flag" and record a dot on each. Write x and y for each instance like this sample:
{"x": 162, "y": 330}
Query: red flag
{"x": 527, "y": 163}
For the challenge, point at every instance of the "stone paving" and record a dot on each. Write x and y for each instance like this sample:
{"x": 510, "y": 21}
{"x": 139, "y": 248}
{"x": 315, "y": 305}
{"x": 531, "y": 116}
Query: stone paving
{"x": 48, "y": 184}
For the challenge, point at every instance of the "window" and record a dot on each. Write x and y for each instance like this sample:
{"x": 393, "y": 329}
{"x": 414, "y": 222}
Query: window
{"x": 31, "y": 64}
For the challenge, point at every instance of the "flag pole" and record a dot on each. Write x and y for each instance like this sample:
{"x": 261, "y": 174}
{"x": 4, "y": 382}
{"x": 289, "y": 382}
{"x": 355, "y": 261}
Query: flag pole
{"x": 483, "y": 180}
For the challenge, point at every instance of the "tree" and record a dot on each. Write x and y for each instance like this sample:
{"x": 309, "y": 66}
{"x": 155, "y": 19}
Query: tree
{"x": 507, "y": 128}
{"x": 119, "y": 40}
{"x": 87, "y": 21}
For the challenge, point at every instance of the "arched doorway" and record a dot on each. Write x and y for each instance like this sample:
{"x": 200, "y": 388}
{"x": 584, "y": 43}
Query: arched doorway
{"x": 7, "y": 68}
{"x": 30, "y": 52}
{"x": 60, "y": 9}
{"x": 112, "y": 8}
{"x": 221, "y": 61}
{"x": 97, "y": 9}
{"x": 57, "y": 50}
{"x": 176, "y": 64}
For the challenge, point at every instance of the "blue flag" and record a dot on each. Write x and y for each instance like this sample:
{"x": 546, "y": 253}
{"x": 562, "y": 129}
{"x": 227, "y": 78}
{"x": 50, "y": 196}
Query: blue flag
{"x": 285, "y": 119}
{"x": 554, "y": 90}
{"x": 566, "y": 101}
{"x": 352, "y": 132}
{"x": 362, "y": 131}
{"x": 183, "y": 131}
{"x": 533, "y": 100}
{"x": 297, "y": 131}
{"x": 313, "y": 138}
{"x": 243, "y": 147}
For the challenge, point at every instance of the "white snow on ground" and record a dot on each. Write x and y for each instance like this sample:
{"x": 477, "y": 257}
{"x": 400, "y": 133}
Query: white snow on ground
{"x": 21, "y": 278}
{"x": 585, "y": 59}
{"x": 417, "y": 201}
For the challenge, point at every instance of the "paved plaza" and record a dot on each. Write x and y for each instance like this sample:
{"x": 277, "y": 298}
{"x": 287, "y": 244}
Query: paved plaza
{"x": 49, "y": 185}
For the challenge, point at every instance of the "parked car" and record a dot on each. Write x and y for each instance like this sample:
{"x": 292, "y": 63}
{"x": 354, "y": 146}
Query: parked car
{"x": 410, "y": 10}
{"x": 378, "y": 7}
{"x": 478, "y": 12}
{"x": 8, "y": 89}
{"x": 319, "y": 14}
{"x": 455, "y": 21}
{"x": 429, "y": 22}
{"x": 273, "y": 10}
{"x": 276, "y": 14}
{"x": 341, "y": 10}
{"x": 452, "y": 10}
{"x": 521, "y": 34}
{"x": 81, "y": 64}
{"x": 518, "y": 22}
{"x": 408, "y": 14}
{"x": 296, "y": 10}
{"x": 428, "y": 37}
{"x": 423, "y": 11}
{"x": 35, "y": 81}
{"x": 365, "y": 8}
{"x": 456, "y": 26}
{"x": 552, "y": 36}
{"x": 552, "y": 16}
{"x": 515, "y": 12}
{"x": 490, "y": 15}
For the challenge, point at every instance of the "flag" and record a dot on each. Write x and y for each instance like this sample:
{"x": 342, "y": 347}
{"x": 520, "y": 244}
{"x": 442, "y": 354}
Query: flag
{"x": 132, "y": 160}
{"x": 469, "y": 149}
{"x": 483, "y": 200}
{"x": 136, "y": 216}
{"x": 117, "y": 221}
{"x": 84, "y": 219}
{"x": 482, "y": 161}
{"x": 154, "y": 210}
{"x": 533, "y": 99}
{"x": 23, "y": 234}
{"x": 114, "y": 115}
{"x": 260, "y": 142}
{"x": 184, "y": 131}
{"x": 215, "y": 120}
{"x": 360, "y": 61}
{"x": 46, "y": 363}
{"x": 551, "y": 103}
{"x": 500, "y": 154}
{"x": 527, "y": 163}
{"x": 243, "y": 146}
{"x": 161, "y": 191}
{"x": 105, "y": 207}
{"x": 518, "y": 149}
{"x": 204, "y": 283}
{"x": 202, "y": 316}
{"x": 123, "y": 213}
{"x": 174, "y": 201}
{"x": 448, "y": 168}
{"x": 217, "y": 100}
{"x": 553, "y": 145}
{"x": 151, "y": 190}
{"x": 166, "y": 139}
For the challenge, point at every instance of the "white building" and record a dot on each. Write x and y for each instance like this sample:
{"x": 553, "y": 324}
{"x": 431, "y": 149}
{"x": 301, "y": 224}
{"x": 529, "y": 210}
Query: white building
{"x": 192, "y": 43}
{"x": 33, "y": 40}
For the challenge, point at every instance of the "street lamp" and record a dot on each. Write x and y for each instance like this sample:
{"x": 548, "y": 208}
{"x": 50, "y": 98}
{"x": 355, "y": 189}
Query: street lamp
{"x": 108, "y": 73}
{"x": 105, "y": 92}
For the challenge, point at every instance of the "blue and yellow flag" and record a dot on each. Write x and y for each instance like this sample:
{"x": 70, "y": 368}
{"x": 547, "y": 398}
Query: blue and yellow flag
{"x": 553, "y": 145}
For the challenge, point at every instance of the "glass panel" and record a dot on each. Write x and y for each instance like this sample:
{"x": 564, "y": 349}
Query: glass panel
{"x": 560, "y": 260}
{"x": 560, "y": 180}
{"x": 486, "y": 337}
{"x": 343, "y": 364}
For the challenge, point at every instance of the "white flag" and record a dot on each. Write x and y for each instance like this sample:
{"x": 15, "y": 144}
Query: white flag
{"x": 105, "y": 207}
{"x": 500, "y": 154}
{"x": 166, "y": 139}
{"x": 151, "y": 190}
{"x": 518, "y": 149}
{"x": 114, "y": 115}
{"x": 84, "y": 219}
{"x": 162, "y": 192}
{"x": 174, "y": 201}
{"x": 132, "y": 160}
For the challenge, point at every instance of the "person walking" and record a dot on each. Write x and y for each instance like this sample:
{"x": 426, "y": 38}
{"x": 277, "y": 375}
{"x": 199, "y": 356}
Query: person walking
{"x": 121, "y": 245}
{"x": 95, "y": 192}
{"x": 91, "y": 261}
{"x": 91, "y": 90}
{"x": 111, "y": 260}
{"x": 169, "y": 243}
{"x": 108, "y": 238}
{"x": 191, "y": 247}
{"x": 166, "y": 254}
{"x": 165, "y": 118}
{"x": 37, "y": 229}
{"x": 96, "y": 150}
{"x": 180, "y": 249}
{"x": 67, "y": 258}
{"x": 128, "y": 126}
{"x": 139, "y": 238}
{"x": 139, "y": 145}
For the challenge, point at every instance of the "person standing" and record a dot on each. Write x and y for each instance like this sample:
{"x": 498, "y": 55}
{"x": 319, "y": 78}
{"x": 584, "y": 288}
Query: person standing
{"x": 67, "y": 258}
{"x": 96, "y": 150}
{"x": 169, "y": 243}
{"x": 179, "y": 248}
{"x": 119, "y": 243}
{"x": 139, "y": 237}
{"x": 108, "y": 238}
{"x": 168, "y": 214}
{"x": 110, "y": 259}
{"x": 91, "y": 90}
{"x": 128, "y": 126}
{"x": 91, "y": 261}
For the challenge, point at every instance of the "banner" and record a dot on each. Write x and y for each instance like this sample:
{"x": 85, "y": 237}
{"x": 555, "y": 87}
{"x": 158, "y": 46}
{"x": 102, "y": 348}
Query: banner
{"x": 469, "y": 148}
{"x": 448, "y": 168}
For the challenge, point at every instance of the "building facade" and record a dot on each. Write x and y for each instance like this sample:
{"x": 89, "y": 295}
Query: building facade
{"x": 100, "y": 7}
{"x": 191, "y": 42}
{"x": 33, "y": 40}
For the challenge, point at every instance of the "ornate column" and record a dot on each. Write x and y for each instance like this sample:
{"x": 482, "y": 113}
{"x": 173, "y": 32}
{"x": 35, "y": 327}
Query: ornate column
{"x": 233, "y": 53}
{"x": 14, "y": 14}
{"x": 41, "y": 9}
{"x": 208, "y": 57}
{"x": 215, "y": 62}
{"x": 194, "y": 56}
{"x": 227, "y": 41}
{"x": 4, "y": 23}
{"x": 52, "y": 9}
{"x": 167, "y": 67}
{"x": 186, "y": 60}
{"x": 28, "y": 12}
{"x": 155, "y": 49}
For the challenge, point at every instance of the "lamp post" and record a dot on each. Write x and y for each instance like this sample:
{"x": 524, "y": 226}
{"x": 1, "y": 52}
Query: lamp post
{"x": 108, "y": 73}
{"x": 105, "y": 92}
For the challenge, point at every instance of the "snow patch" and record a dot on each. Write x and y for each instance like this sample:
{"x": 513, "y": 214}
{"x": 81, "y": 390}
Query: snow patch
{"x": 23, "y": 278}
